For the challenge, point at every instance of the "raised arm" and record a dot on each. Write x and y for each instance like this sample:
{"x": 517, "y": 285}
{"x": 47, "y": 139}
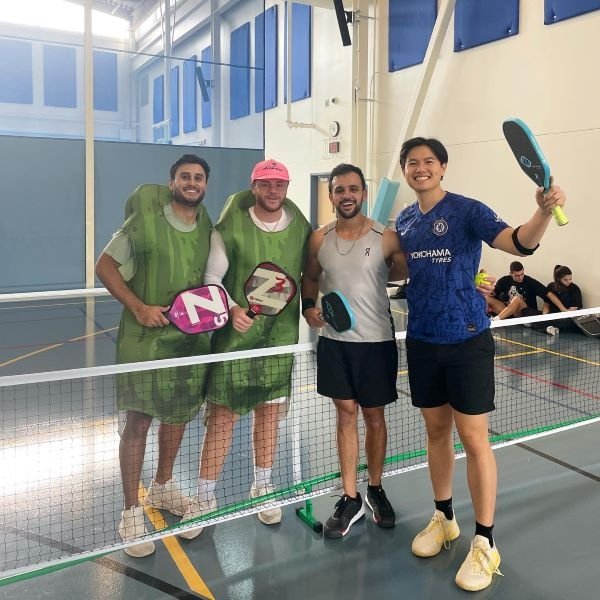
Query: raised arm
{"x": 107, "y": 270}
{"x": 525, "y": 239}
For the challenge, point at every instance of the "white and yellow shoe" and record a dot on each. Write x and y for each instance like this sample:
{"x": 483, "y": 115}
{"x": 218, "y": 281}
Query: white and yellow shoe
{"x": 479, "y": 567}
{"x": 133, "y": 526}
{"x": 269, "y": 516}
{"x": 437, "y": 535}
{"x": 167, "y": 496}
{"x": 196, "y": 509}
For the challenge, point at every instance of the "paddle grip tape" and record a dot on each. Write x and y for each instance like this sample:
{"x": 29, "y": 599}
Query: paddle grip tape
{"x": 307, "y": 303}
{"x": 519, "y": 246}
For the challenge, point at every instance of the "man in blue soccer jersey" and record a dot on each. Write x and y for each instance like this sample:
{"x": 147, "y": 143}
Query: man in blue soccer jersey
{"x": 450, "y": 350}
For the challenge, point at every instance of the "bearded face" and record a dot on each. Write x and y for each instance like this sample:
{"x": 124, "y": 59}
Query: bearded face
{"x": 189, "y": 185}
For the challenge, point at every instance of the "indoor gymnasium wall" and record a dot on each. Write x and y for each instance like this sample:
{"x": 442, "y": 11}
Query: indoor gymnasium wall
{"x": 545, "y": 75}
{"x": 42, "y": 232}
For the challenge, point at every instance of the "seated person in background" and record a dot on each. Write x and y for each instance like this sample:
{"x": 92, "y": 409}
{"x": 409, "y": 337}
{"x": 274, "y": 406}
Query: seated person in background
{"x": 516, "y": 294}
{"x": 562, "y": 296}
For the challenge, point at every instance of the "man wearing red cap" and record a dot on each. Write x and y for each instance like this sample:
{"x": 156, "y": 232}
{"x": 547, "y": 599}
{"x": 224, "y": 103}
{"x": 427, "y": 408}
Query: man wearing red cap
{"x": 256, "y": 225}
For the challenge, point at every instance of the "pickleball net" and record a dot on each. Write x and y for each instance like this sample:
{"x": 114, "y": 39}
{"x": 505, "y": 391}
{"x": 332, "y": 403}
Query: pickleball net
{"x": 61, "y": 494}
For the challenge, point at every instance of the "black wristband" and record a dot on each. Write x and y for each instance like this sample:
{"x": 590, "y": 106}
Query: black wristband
{"x": 307, "y": 303}
{"x": 519, "y": 246}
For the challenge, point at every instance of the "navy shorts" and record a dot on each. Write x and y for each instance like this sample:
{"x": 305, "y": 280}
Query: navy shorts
{"x": 361, "y": 371}
{"x": 461, "y": 375}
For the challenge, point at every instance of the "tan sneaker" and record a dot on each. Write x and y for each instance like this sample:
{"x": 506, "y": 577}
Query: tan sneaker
{"x": 196, "y": 509}
{"x": 439, "y": 533}
{"x": 167, "y": 496}
{"x": 131, "y": 527}
{"x": 269, "y": 516}
{"x": 481, "y": 564}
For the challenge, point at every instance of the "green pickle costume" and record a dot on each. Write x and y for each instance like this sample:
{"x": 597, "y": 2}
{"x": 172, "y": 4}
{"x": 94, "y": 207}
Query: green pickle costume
{"x": 241, "y": 385}
{"x": 167, "y": 262}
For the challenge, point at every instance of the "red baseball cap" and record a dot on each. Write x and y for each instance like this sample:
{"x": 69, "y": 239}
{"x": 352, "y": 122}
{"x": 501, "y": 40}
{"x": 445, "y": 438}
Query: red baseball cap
{"x": 270, "y": 169}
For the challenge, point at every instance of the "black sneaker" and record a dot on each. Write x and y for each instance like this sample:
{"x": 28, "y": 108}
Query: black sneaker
{"x": 383, "y": 513}
{"x": 347, "y": 512}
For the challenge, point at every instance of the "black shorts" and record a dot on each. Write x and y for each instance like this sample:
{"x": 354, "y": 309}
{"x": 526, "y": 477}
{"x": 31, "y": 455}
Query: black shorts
{"x": 459, "y": 374}
{"x": 361, "y": 371}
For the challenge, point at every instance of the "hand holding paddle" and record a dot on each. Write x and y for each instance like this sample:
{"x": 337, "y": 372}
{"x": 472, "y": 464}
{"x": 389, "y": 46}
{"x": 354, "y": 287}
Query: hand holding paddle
{"x": 531, "y": 159}
{"x": 337, "y": 311}
{"x": 268, "y": 290}
{"x": 199, "y": 310}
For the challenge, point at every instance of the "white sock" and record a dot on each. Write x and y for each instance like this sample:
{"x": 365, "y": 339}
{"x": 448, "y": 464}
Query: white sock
{"x": 206, "y": 489}
{"x": 262, "y": 477}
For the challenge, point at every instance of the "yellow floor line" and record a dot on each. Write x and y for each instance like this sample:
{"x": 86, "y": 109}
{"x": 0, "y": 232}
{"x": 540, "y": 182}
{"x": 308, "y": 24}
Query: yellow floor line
{"x": 517, "y": 354}
{"x": 560, "y": 354}
{"x": 180, "y": 558}
{"x": 52, "y": 346}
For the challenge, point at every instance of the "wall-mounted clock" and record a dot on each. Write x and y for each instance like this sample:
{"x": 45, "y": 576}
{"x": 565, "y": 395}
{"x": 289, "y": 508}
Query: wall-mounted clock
{"x": 334, "y": 129}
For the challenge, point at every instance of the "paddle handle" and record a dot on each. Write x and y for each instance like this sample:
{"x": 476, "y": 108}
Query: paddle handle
{"x": 559, "y": 216}
{"x": 557, "y": 212}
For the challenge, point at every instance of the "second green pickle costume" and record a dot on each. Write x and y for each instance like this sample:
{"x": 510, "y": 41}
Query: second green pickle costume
{"x": 241, "y": 385}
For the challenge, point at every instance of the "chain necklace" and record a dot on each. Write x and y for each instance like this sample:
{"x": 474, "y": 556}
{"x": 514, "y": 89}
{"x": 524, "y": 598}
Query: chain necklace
{"x": 267, "y": 228}
{"x": 335, "y": 239}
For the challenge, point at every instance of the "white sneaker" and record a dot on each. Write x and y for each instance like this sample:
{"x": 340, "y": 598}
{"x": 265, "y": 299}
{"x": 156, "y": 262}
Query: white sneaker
{"x": 480, "y": 566}
{"x": 131, "y": 527}
{"x": 269, "y": 516}
{"x": 196, "y": 509}
{"x": 552, "y": 330}
{"x": 437, "y": 535}
{"x": 167, "y": 496}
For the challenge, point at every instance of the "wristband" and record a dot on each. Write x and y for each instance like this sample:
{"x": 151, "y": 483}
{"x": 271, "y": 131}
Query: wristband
{"x": 307, "y": 303}
{"x": 519, "y": 246}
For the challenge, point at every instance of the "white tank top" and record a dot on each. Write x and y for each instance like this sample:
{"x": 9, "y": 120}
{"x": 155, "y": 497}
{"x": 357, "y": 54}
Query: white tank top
{"x": 358, "y": 270}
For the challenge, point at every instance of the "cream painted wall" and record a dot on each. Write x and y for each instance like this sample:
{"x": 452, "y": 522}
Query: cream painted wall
{"x": 546, "y": 75}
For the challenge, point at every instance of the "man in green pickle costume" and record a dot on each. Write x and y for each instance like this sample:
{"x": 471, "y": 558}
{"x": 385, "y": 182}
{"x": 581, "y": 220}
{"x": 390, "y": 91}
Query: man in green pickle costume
{"x": 256, "y": 225}
{"x": 160, "y": 250}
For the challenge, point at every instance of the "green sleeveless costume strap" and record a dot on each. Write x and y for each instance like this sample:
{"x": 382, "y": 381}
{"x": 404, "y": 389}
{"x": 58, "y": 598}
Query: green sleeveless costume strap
{"x": 242, "y": 385}
{"x": 167, "y": 262}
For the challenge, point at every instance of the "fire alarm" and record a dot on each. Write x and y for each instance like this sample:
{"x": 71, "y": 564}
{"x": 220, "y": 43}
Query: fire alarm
{"x": 334, "y": 128}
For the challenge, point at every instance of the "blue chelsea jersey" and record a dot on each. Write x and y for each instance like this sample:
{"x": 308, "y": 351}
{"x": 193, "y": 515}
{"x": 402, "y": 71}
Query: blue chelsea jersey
{"x": 443, "y": 250}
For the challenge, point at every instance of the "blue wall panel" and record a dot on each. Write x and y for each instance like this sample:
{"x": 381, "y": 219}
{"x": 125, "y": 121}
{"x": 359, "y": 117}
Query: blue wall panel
{"x": 239, "y": 78}
{"x": 301, "y": 51}
{"x": 477, "y": 23}
{"x": 189, "y": 95}
{"x": 559, "y": 10}
{"x": 207, "y": 72}
{"x": 301, "y": 45}
{"x": 410, "y": 27}
{"x": 60, "y": 76}
{"x": 106, "y": 81}
{"x": 265, "y": 58}
{"x": 174, "y": 98}
{"x": 259, "y": 63}
{"x": 158, "y": 99}
{"x": 16, "y": 72}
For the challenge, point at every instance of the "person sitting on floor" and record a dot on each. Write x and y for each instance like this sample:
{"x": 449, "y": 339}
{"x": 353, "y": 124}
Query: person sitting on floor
{"x": 563, "y": 296}
{"x": 516, "y": 295}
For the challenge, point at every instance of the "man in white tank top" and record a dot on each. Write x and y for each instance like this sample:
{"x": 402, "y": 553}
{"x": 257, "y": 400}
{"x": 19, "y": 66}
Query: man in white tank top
{"x": 356, "y": 367}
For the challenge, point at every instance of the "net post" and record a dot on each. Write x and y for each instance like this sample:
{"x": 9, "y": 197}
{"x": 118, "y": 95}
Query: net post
{"x": 306, "y": 515}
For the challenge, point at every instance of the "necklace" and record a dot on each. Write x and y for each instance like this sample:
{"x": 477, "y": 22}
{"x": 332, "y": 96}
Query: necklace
{"x": 267, "y": 228}
{"x": 335, "y": 239}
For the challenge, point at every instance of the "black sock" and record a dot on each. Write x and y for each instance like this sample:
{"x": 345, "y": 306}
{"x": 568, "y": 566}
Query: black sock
{"x": 485, "y": 532}
{"x": 445, "y": 506}
{"x": 374, "y": 488}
